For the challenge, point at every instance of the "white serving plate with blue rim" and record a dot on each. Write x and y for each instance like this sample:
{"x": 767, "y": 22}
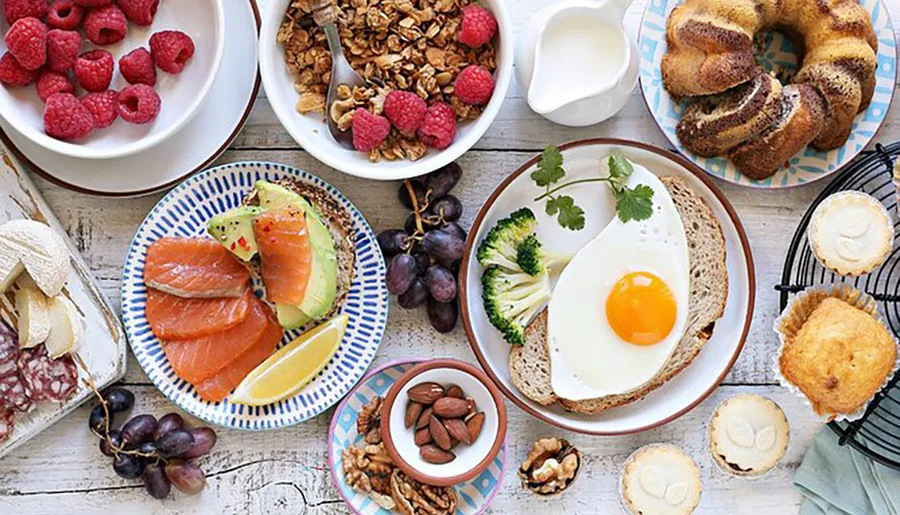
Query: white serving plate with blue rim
{"x": 777, "y": 53}
{"x": 473, "y": 496}
{"x": 184, "y": 211}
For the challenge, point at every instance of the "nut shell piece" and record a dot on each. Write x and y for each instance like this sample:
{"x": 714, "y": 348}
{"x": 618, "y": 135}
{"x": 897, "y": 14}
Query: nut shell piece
{"x": 551, "y": 466}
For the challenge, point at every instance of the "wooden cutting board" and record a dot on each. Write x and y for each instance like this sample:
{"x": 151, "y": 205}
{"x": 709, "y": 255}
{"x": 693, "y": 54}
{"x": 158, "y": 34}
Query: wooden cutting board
{"x": 104, "y": 345}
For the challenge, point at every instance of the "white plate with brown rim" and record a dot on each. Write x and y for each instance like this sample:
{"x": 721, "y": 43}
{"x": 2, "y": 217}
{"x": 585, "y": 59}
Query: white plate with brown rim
{"x": 687, "y": 389}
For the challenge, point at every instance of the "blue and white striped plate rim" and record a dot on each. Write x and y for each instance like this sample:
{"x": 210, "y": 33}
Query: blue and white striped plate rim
{"x": 184, "y": 211}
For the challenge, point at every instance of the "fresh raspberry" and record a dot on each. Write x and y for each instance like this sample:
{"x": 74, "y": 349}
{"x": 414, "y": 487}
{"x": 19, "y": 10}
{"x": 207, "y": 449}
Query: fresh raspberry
{"x": 137, "y": 67}
{"x": 27, "y": 42}
{"x": 94, "y": 70}
{"x": 171, "y": 49}
{"x": 105, "y": 25}
{"x": 102, "y": 107}
{"x": 93, "y": 3}
{"x": 369, "y": 130}
{"x": 65, "y": 14}
{"x": 477, "y": 27}
{"x": 15, "y": 10}
{"x": 439, "y": 126}
{"x": 405, "y": 110}
{"x": 12, "y": 73}
{"x": 474, "y": 85}
{"x": 138, "y": 103}
{"x": 62, "y": 49}
{"x": 50, "y": 83}
{"x": 139, "y": 12}
{"x": 66, "y": 118}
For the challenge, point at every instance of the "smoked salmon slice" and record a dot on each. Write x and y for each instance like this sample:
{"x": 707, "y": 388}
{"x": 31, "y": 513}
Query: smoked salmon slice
{"x": 201, "y": 358}
{"x": 176, "y": 318}
{"x": 194, "y": 268}
{"x": 284, "y": 247}
{"x": 220, "y": 385}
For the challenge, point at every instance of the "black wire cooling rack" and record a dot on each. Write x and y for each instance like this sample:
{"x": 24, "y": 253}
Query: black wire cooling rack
{"x": 877, "y": 433}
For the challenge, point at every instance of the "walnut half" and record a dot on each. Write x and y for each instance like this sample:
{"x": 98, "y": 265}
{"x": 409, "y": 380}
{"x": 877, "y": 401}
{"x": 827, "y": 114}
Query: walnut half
{"x": 368, "y": 423}
{"x": 414, "y": 498}
{"x": 550, "y": 467}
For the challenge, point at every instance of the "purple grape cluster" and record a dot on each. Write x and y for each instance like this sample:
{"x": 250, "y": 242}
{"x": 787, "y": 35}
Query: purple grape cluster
{"x": 157, "y": 451}
{"x": 423, "y": 258}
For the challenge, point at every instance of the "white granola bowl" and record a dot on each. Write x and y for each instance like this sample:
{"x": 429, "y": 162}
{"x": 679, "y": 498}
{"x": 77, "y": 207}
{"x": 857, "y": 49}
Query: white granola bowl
{"x": 311, "y": 132}
{"x": 182, "y": 95}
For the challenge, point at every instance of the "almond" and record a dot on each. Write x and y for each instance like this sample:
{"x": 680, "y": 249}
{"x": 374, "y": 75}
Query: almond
{"x": 436, "y": 455}
{"x": 470, "y": 402}
{"x": 425, "y": 393}
{"x": 423, "y": 436}
{"x": 413, "y": 410}
{"x": 439, "y": 433}
{"x": 423, "y": 418}
{"x": 474, "y": 425}
{"x": 454, "y": 391}
{"x": 458, "y": 430}
{"x": 450, "y": 407}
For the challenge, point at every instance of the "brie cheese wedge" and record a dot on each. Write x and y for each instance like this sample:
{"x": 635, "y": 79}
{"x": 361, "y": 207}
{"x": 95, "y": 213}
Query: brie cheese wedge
{"x": 34, "y": 315}
{"x": 41, "y": 250}
{"x": 66, "y": 328}
{"x": 10, "y": 267}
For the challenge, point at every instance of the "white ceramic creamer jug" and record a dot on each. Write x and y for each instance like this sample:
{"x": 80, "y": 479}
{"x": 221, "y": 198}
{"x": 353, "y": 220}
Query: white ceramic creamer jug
{"x": 575, "y": 63}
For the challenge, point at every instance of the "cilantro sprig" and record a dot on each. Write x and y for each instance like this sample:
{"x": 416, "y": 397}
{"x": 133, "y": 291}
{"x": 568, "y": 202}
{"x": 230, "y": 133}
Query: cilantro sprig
{"x": 631, "y": 203}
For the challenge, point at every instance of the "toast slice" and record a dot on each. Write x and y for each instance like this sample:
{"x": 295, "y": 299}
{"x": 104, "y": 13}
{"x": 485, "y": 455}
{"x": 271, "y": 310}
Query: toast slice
{"x": 339, "y": 224}
{"x": 708, "y": 294}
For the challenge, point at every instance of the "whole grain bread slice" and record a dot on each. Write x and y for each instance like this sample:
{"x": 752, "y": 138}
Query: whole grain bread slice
{"x": 339, "y": 224}
{"x": 708, "y": 294}
{"x": 529, "y": 363}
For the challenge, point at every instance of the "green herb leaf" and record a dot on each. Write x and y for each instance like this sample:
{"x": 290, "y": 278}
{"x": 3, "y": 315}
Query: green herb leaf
{"x": 570, "y": 216}
{"x": 634, "y": 203}
{"x": 620, "y": 168}
{"x": 550, "y": 168}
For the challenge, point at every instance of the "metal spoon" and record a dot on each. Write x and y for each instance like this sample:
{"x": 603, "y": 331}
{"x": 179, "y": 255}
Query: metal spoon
{"x": 341, "y": 72}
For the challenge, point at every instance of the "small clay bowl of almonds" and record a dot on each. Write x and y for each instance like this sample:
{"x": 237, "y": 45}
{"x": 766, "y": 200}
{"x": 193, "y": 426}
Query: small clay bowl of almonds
{"x": 443, "y": 422}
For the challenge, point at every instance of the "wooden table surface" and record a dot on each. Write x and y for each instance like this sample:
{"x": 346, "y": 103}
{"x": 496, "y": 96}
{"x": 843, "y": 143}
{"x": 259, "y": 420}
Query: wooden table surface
{"x": 61, "y": 470}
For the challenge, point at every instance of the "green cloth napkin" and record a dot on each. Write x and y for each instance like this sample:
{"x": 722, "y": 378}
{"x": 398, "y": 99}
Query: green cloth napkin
{"x": 838, "y": 480}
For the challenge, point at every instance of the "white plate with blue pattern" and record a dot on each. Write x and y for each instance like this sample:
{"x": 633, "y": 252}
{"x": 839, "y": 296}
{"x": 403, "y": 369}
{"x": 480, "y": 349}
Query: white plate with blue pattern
{"x": 776, "y": 54}
{"x": 184, "y": 212}
{"x": 473, "y": 496}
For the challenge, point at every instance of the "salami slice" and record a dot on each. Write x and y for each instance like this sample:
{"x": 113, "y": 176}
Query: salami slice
{"x": 7, "y": 423}
{"x": 47, "y": 379}
{"x": 12, "y": 389}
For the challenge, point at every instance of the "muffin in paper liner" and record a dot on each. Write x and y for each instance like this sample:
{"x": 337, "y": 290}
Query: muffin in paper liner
{"x": 795, "y": 315}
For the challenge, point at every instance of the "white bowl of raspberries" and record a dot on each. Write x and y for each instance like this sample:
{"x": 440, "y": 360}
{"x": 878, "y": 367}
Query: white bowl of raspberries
{"x": 437, "y": 74}
{"x": 100, "y": 79}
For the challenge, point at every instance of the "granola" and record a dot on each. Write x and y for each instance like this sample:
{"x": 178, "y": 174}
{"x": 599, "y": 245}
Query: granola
{"x": 408, "y": 45}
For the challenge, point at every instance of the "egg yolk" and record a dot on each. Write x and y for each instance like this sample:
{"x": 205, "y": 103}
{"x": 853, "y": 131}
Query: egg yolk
{"x": 641, "y": 308}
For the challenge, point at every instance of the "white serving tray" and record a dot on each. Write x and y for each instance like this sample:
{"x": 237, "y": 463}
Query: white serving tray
{"x": 104, "y": 340}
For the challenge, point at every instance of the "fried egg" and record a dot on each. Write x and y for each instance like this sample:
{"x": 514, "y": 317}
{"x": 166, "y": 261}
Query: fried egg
{"x": 620, "y": 307}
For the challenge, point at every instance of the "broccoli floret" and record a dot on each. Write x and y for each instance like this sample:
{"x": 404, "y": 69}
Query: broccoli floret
{"x": 512, "y": 298}
{"x": 499, "y": 246}
{"x": 535, "y": 260}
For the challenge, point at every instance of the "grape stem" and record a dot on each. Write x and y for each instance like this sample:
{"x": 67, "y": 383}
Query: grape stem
{"x": 415, "y": 205}
{"x": 116, "y": 450}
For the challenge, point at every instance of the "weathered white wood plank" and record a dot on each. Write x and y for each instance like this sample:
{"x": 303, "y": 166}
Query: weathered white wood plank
{"x": 284, "y": 471}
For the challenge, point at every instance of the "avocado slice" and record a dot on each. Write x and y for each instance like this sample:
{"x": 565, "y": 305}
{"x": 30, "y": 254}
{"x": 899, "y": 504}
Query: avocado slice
{"x": 233, "y": 229}
{"x": 291, "y": 317}
{"x": 322, "y": 287}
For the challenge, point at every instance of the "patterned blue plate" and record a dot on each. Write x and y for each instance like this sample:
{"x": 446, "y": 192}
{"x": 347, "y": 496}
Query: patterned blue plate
{"x": 184, "y": 212}
{"x": 777, "y": 54}
{"x": 474, "y": 496}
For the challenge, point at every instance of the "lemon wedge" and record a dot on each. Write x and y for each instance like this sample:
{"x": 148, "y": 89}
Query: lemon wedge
{"x": 293, "y": 366}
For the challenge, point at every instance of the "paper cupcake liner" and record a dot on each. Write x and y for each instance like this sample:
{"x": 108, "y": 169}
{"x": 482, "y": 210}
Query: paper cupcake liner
{"x": 797, "y": 313}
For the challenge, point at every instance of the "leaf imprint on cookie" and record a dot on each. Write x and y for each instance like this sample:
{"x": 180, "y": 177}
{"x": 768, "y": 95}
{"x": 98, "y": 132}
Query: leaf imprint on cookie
{"x": 741, "y": 432}
{"x": 676, "y": 493}
{"x": 653, "y": 482}
{"x": 765, "y": 438}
